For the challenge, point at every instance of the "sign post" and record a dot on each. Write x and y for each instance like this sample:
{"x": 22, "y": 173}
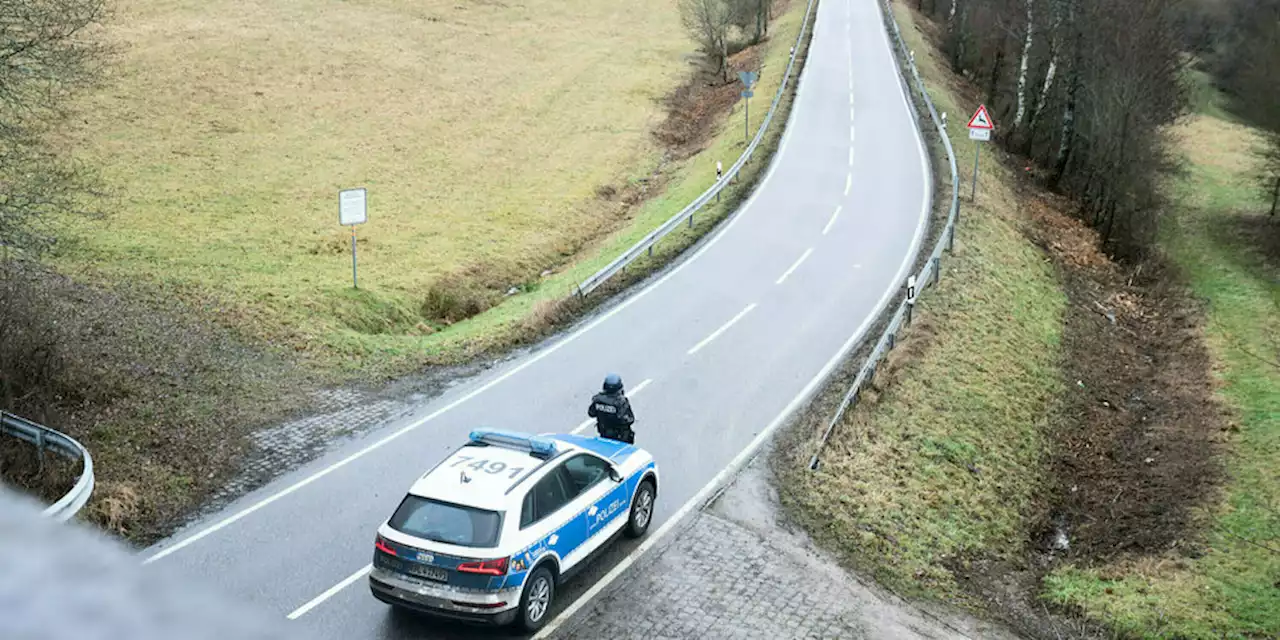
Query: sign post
{"x": 980, "y": 127}
{"x": 353, "y": 210}
{"x": 748, "y": 79}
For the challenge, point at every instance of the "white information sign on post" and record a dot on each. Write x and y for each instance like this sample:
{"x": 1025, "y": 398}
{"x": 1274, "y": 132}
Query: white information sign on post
{"x": 353, "y": 209}
{"x": 353, "y": 206}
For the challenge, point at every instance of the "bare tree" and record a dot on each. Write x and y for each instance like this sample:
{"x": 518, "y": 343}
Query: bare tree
{"x": 709, "y": 23}
{"x": 1269, "y": 172}
{"x": 752, "y": 16}
{"x": 47, "y": 55}
{"x": 1084, "y": 88}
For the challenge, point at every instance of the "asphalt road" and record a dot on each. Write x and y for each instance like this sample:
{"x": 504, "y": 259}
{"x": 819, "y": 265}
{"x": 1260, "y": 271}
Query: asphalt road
{"x": 727, "y": 343}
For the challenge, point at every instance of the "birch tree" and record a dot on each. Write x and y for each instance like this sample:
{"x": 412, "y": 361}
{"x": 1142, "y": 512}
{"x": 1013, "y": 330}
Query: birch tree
{"x": 1025, "y": 59}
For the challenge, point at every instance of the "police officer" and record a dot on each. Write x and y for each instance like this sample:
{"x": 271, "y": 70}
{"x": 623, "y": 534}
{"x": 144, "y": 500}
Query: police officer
{"x": 612, "y": 411}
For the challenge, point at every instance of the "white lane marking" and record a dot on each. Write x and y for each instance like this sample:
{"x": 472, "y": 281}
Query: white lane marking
{"x": 832, "y": 221}
{"x": 633, "y": 393}
{"x": 809, "y": 388}
{"x": 315, "y": 602}
{"x": 850, "y": 156}
{"x": 724, "y": 327}
{"x": 742, "y": 457}
{"x": 848, "y": 182}
{"x": 795, "y": 266}
{"x": 787, "y": 132}
{"x": 853, "y": 135}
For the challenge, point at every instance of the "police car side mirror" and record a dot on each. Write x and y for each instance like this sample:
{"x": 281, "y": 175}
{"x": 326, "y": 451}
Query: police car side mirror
{"x": 614, "y": 475}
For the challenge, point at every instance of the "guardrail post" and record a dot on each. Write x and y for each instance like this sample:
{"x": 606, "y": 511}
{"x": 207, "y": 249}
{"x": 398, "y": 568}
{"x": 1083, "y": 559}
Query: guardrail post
{"x": 893, "y": 340}
{"x": 937, "y": 270}
{"x": 691, "y": 221}
{"x": 951, "y": 239}
{"x": 40, "y": 449}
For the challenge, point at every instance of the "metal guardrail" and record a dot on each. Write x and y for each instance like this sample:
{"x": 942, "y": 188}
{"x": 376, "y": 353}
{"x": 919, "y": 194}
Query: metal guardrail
{"x": 645, "y": 245}
{"x": 44, "y": 438}
{"x": 929, "y": 273}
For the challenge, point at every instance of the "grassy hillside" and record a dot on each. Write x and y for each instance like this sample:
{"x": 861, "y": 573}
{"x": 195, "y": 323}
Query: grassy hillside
{"x": 1049, "y": 395}
{"x": 942, "y": 463}
{"x": 1230, "y": 253}
{"x": 498, "y": 141}
{"x": 504, "y": 146}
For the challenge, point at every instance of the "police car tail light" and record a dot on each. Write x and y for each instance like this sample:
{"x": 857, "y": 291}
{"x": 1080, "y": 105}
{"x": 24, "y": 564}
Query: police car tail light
{"x": 381, "y": 545}
{"x": 486, "y": 567}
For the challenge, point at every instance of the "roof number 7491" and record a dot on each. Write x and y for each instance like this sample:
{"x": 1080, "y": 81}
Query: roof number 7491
{"x": 488, "y": 466}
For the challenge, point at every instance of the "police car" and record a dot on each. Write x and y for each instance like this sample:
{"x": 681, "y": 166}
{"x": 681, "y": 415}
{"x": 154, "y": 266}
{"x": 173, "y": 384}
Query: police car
{"x": 489, "y": 533}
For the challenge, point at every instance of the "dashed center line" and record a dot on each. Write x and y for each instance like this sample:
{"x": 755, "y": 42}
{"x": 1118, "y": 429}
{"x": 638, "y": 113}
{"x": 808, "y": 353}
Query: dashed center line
{"x": 316, "y": 601}
{"x": 832, "y": 221}
{"x": 795, "y": 266}
{"x": 850, "y": 156}
{"x": 848, "y": 183}
{"x": 590, "y": 421}
{"x": 725, "y": 327}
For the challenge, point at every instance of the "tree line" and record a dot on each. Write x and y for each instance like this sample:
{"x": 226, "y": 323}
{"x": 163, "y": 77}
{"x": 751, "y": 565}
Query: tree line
{"x": 1082, "y": 88}
{"x": 721, "y": 28}
{"x": 1238, "y": 43}
{"x": 48, "y": 55}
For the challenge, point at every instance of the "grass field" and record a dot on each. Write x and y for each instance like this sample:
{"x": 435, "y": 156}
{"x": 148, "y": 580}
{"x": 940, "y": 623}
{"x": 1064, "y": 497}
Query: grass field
{"x": 498, "y": 142}
{"x": 944, "y": 462}
{"x": 1217, "y": 237}
{"x": 488, "y": 134}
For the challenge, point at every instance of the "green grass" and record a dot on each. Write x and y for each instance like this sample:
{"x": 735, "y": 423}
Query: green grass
{"x": 482, "y": 131}
{"x": 1205, "y": 98}
{"x": 944, "y": 463}
{"x": 1234, "y": 589}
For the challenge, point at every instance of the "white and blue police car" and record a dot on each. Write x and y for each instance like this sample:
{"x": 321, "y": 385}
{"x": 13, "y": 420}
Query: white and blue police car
{"x": 489, "y": 533}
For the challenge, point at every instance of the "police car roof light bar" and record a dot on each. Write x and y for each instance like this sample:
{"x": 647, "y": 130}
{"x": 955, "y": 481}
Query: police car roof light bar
{"x": 537, "y": 445}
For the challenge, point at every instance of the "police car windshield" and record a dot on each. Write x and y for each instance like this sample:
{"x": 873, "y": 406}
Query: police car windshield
{"x": 446, "y": 522}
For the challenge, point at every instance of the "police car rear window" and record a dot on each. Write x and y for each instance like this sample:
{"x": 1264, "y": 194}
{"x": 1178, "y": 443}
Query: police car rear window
{"x": 447, "y": 522}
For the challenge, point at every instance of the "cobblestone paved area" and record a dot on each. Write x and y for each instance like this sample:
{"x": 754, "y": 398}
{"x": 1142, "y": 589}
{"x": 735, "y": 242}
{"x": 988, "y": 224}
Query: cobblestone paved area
{"x": 736, "y": 573}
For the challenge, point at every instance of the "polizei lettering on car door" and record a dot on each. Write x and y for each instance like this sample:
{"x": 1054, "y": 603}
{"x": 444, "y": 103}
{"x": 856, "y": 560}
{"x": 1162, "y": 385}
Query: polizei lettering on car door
{"x": 601, "y": 515}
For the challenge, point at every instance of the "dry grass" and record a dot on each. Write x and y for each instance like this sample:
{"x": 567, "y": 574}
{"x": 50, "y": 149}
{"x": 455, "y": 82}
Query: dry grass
{"x": 482, "y": 130}
{"x": 1217, "y": 144}
{"x": 504, "y": 146}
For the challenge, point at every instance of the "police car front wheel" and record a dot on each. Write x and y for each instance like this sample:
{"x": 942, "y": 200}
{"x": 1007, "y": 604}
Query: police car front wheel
{"x": 535, "y": 602}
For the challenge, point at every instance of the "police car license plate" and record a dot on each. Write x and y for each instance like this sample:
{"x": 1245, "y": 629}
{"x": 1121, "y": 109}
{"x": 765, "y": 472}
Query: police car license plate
{"x": 424, "y": 571}
{"x": 431, "y": 573}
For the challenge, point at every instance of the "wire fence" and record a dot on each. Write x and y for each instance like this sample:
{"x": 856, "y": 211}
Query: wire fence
{"x": 930, "y": 272}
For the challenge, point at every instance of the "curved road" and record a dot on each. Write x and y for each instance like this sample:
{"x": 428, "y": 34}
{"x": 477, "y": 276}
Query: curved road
{"x": 716, "y": 353}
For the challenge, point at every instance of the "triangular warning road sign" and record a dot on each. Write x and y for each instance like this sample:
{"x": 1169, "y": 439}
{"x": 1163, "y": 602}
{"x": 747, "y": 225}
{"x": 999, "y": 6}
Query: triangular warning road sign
{"x": 981, "y": 119}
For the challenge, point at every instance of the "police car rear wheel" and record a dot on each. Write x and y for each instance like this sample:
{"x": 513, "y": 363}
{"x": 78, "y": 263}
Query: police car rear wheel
{"x": 641, "y": 510}
{"x": 535, "y": 602}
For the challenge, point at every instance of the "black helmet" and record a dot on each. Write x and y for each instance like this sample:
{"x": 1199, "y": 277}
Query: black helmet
{"x": 612, "y": 383}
